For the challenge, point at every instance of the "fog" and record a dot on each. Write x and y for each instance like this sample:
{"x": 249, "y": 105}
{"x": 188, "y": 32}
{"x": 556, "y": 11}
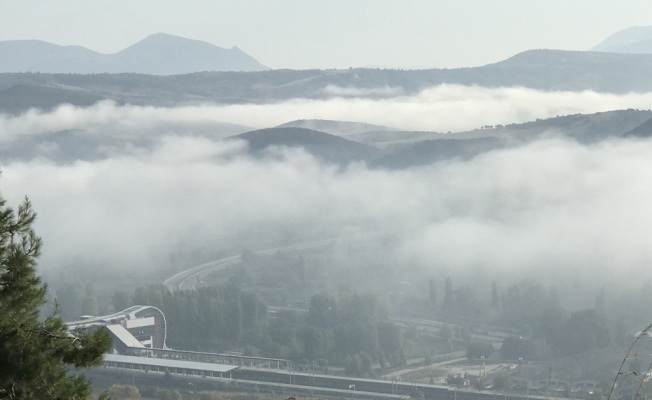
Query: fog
{"x": 443, "y": 108}
{"x": 563, "y": 212}
{"x": 551, "y": 209}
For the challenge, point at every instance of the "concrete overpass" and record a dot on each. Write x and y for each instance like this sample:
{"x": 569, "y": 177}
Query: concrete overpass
{"x": 188, "y": 278}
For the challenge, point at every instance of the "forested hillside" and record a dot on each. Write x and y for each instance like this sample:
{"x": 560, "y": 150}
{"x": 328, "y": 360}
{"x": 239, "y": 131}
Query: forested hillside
{"x": 536, "y": 69}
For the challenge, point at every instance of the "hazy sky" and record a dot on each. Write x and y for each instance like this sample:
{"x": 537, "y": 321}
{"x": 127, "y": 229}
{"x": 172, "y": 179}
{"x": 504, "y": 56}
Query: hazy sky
{"x": 334, "y": 33}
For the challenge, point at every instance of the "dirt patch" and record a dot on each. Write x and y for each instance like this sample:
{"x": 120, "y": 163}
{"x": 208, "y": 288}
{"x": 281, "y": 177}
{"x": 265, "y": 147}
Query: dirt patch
{"x": 437, "y": 373}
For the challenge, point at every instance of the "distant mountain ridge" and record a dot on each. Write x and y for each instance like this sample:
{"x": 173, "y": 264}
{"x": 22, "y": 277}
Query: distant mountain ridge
{"x": 158, "y": 54}
{"x": 634, "y": 40}
{"x": 535, "y": 69}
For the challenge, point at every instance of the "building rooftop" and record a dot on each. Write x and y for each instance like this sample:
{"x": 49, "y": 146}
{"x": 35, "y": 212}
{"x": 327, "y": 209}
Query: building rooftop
{"x": 124, "y": 336}
{"x": 162, "y": 362}
{"x": 87, "y": 320}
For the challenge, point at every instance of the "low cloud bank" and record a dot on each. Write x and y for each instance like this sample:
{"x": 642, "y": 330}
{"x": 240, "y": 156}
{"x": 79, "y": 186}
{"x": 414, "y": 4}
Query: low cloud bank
{"x": 443, "y": 108}
{"x": 556, "y": 210}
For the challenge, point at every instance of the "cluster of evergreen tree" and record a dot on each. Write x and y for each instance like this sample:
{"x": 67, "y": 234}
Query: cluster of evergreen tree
{"x": 351, "y": 331}
{"x": 548, "y": 329}
{"x": 558, "y": 331}
{"x": 207, "y": 319}
{"x": 36, "y": 355}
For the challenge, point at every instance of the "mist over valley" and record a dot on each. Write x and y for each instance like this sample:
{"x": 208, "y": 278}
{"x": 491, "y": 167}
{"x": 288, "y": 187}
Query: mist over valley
{"x": 519, "y": 195}
{"x": 467, "y": 228}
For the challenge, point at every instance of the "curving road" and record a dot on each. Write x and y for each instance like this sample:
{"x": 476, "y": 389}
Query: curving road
{"x": 187, "y": 279}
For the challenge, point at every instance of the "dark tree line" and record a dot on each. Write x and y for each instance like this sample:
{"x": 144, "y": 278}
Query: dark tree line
{"x": 548, "y": 329}
{"x": 207, "y": 319}
{"x": 351, "y": 331}
{"x": 37, "y": 355}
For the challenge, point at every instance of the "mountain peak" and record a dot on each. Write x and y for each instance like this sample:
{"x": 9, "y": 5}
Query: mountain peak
{"x": 166, "y": 54}
{"x": 161, "y": 34}
{"x": 635, "y": 39}
{"x": 157, "y": 54}
{"x": 166, "y": 38}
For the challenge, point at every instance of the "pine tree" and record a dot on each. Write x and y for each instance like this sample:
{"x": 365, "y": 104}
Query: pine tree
{"x": 448, "y": 297}
{"x": 432, "y": 291}
{"x": 495, "y": 299}
{"x": 37, "y": 356}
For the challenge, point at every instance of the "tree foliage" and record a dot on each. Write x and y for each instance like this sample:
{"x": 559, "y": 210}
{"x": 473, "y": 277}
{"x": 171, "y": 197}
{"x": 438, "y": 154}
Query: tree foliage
{"x": 36, "y": 355}
{"x": 478, "y": 350}
{"x": 207, "y": 319}
{"x": 352, "y": 329}
{"x": 447, "y": 306}
{"x": 432, "y": 292}
{"x": 514, "y": 348}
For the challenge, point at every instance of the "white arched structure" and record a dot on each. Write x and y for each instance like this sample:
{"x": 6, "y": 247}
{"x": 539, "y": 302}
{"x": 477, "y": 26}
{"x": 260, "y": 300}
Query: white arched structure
{"x": 136, "y": 326}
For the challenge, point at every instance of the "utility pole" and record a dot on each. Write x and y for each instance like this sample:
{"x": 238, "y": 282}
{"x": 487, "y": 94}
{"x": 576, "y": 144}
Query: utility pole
{"x": 506, "y": 386}
{"x": 548, "y": 386}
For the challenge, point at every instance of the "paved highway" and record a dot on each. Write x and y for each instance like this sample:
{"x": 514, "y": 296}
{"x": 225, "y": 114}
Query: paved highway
{"x": 187, "y": 279}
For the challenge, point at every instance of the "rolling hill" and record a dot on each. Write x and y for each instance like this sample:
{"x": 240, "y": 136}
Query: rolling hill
{"x": 584, "y": 128}
{"x": 75, "y": 144}
{"x": 642, "y": 131}
{"x": 325, "y": 147}
{"x": 21, "y": 97}
{"x": 378, "y": 149}
{"x": 432, "y": 151}
{"x": 339, "y": 128}
{"x": 537, "y": 69}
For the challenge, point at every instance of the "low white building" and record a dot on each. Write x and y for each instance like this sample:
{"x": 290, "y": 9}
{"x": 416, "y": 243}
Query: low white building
{"x": 134, "y": 327}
